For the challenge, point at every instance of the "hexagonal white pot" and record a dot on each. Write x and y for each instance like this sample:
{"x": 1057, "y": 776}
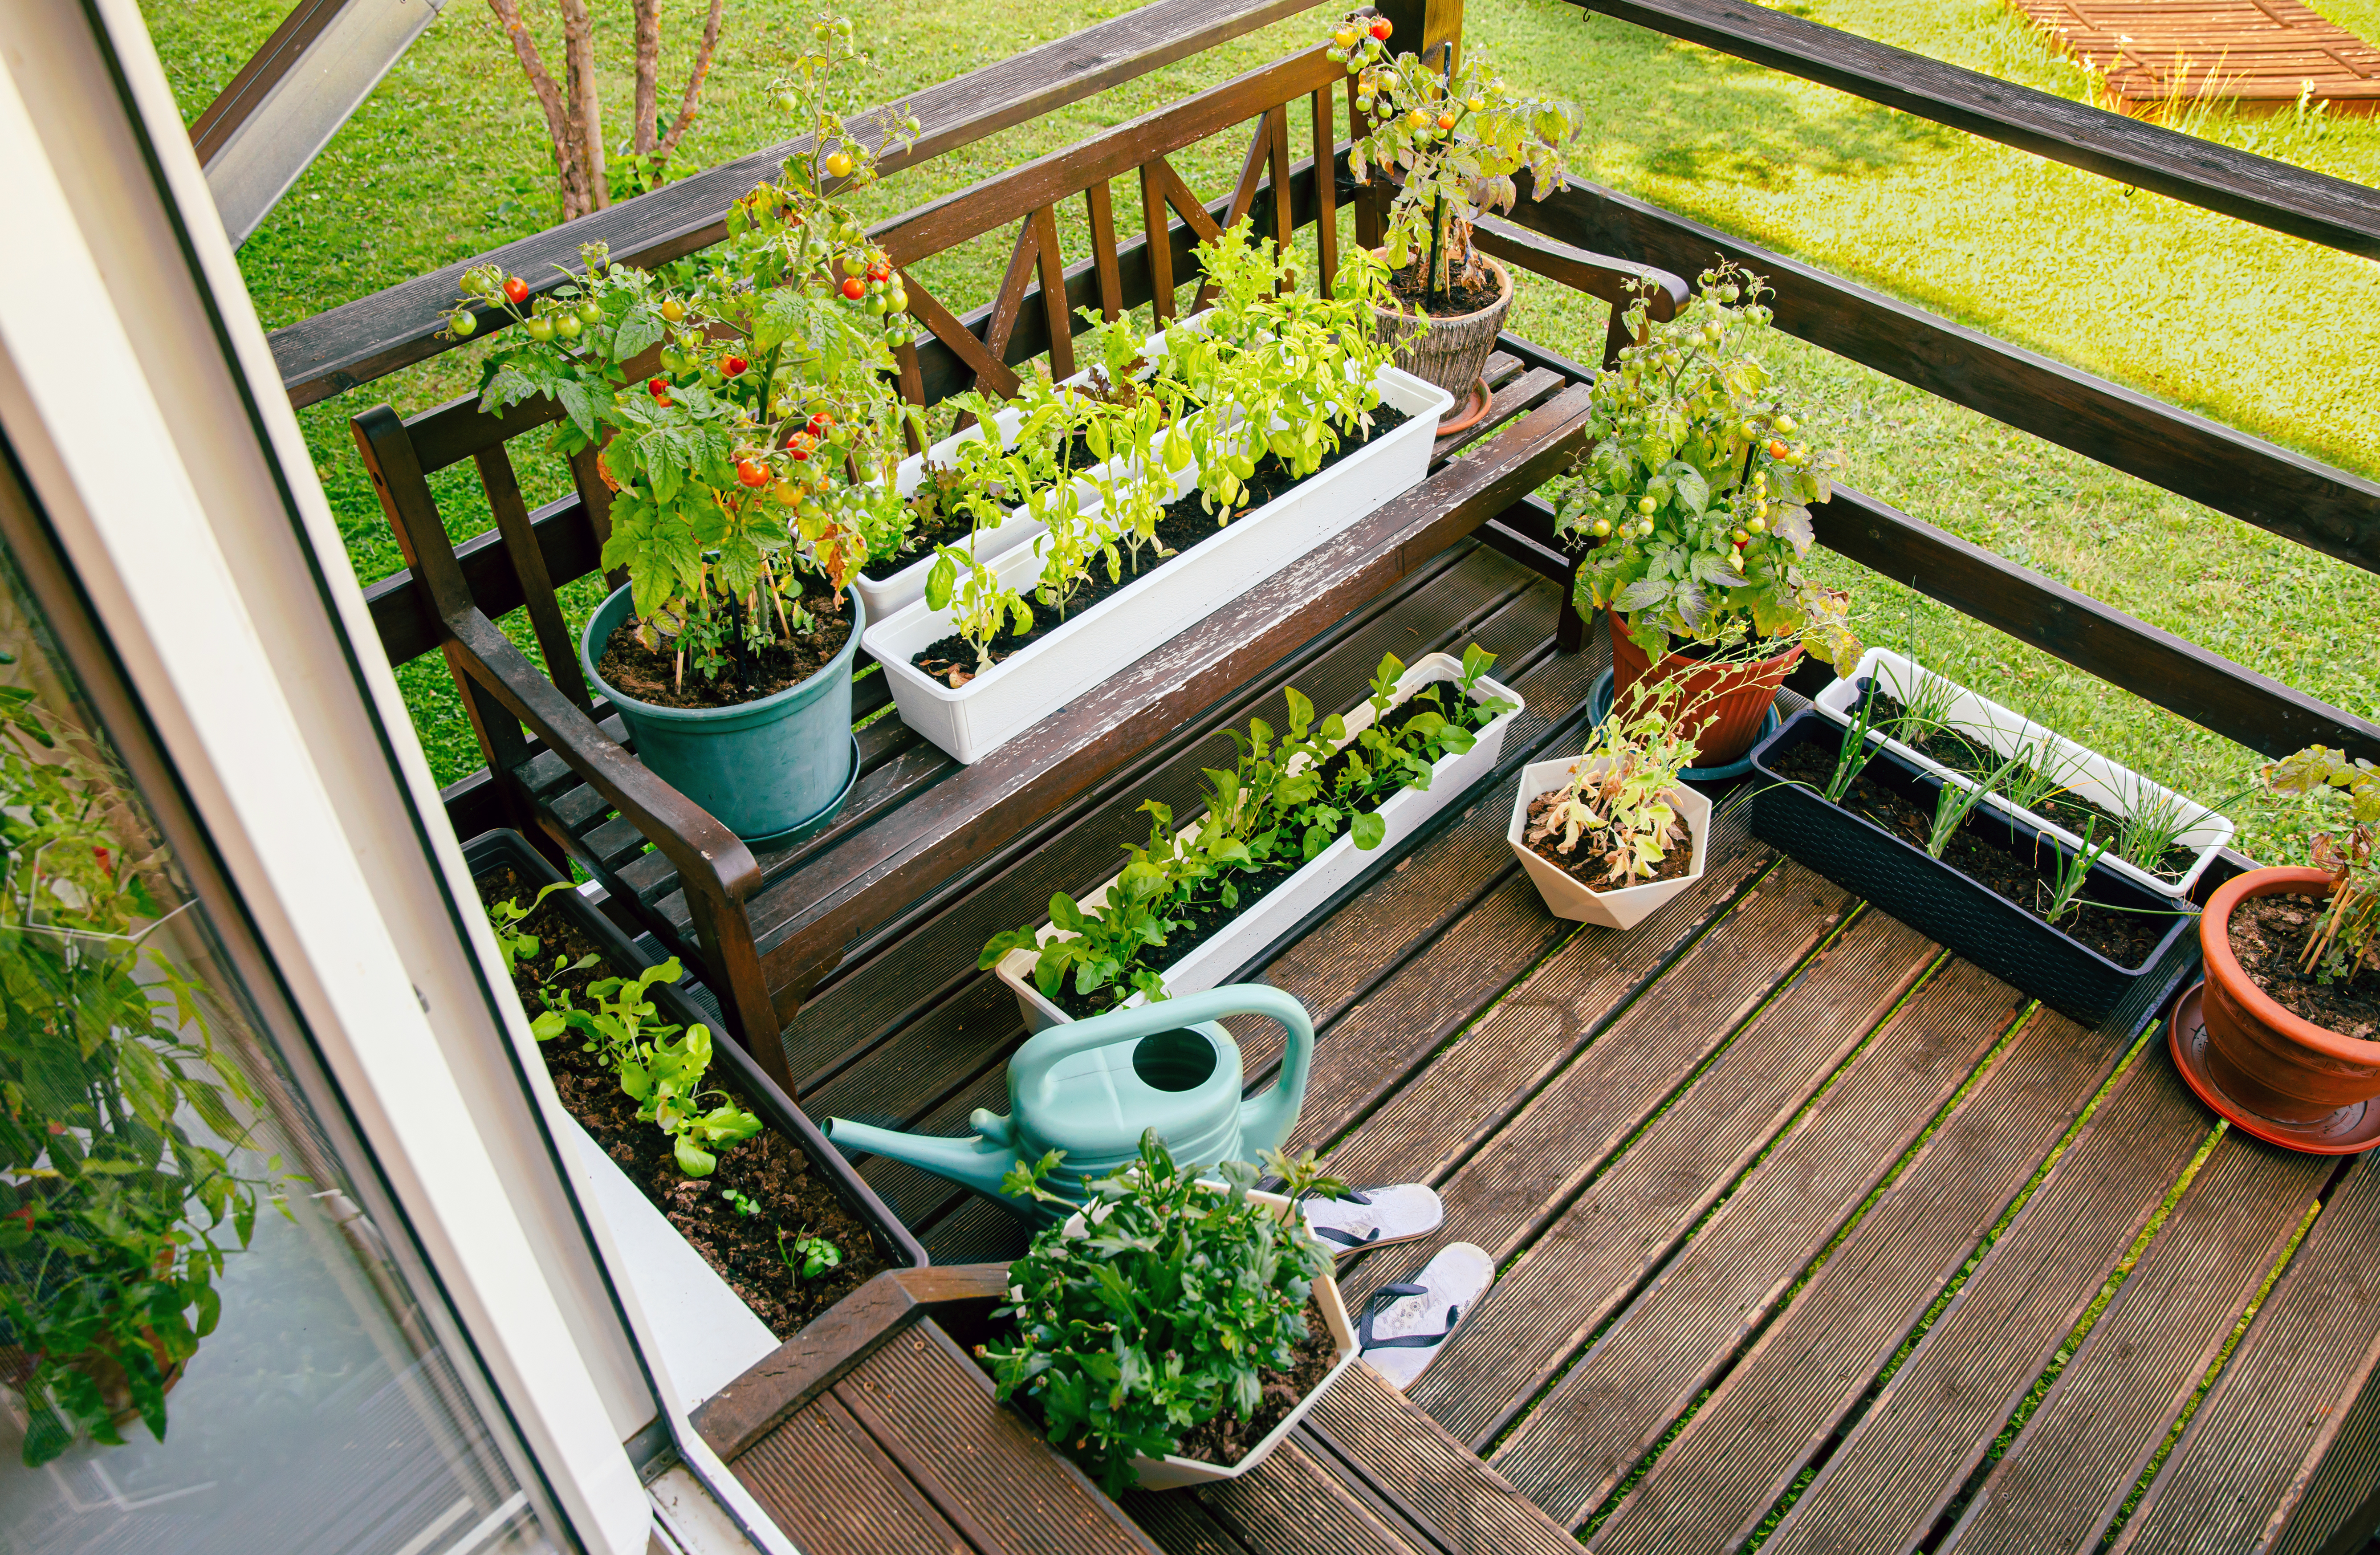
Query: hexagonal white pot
{"x": 1565, "y": 895}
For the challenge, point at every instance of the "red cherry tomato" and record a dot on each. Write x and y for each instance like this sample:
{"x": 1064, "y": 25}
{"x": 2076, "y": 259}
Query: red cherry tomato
{"x": 516, "y": 290}
{"x": 658, "y": 386}
{"x": 1777, "y": 449}
{"x": 854, "y": 287}
{"x": 733, "y": 366}
{"x": 880, "y": 272}
{"x": 752, "y": 472}
{"x": 800, "y": 445}
{"x": 1446, "y": 121}
{"x": 821, "y": 422}
{"x": 1380, "y": 29}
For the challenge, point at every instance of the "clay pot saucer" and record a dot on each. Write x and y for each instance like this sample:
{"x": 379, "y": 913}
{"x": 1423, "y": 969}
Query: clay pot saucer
{"x": 1474, "y": 410}
{"x": 2344, "y": 1132}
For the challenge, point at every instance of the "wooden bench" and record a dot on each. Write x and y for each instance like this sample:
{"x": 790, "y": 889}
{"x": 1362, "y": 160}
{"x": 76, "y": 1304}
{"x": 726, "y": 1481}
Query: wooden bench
{"x": 764, "y": 931}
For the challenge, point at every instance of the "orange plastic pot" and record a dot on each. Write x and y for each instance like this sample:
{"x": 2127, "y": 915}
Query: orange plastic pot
{"x": 1740, "y": 695}
{"x": 2275, "y": 1063}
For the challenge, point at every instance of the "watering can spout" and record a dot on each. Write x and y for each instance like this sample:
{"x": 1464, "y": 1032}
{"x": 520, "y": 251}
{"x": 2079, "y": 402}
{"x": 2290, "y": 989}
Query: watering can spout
{"x": 974, "y": 1163}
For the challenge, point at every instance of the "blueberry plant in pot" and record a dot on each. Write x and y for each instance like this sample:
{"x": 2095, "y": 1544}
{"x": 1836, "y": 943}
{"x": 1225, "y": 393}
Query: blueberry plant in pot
{"x": 125, "y": 1113}
{"x": 2293, "y": 998}
{"x": 1172, "y": 1331}
{"x": 1694, "y": 497}
{"x": 1457, "y": 137}
{"x": 750, "y": 466}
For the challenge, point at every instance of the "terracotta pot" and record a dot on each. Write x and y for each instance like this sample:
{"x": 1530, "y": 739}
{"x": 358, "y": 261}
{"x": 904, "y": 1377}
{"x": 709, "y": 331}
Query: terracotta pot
{"x": 1450, "y": 352}
{"x": 2271, "y": 1061}
{"x": 1740, "y": 694}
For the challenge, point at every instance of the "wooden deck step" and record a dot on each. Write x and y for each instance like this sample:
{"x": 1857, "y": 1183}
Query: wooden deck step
{"x": 871, "y": 1431}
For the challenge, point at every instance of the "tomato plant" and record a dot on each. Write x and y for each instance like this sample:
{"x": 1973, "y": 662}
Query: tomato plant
{"x": 1700, "y": 505}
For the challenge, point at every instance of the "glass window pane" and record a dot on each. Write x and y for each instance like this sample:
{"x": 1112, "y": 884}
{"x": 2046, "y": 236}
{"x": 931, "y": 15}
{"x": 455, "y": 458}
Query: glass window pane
{"x": 207, "y": 1343}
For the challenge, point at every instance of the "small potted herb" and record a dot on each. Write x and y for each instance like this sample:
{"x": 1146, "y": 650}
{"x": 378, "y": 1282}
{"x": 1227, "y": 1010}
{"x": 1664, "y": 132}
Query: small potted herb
{"x": 2292, "y": 997}
{"x": 1300, "y": 814}
{"x": 1177, "y": 1329}
{"x": 751, "y": 475}
{"x": 1612, "y": 833}
{"x": 1456, "y": 137}
{"x": 1694, "y": 494}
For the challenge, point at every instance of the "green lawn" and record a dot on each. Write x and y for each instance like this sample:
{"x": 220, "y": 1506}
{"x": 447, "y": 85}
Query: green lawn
{"x": 2260, "y": 331}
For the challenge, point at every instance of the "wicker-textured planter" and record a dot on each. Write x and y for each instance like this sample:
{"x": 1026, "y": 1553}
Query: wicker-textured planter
{"x": 1450, "y": 353}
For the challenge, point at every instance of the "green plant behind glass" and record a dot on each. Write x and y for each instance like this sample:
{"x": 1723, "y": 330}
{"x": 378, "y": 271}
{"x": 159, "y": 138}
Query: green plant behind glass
{"x": 1157, "y": 1307}
{"x": 117, "y": 1210}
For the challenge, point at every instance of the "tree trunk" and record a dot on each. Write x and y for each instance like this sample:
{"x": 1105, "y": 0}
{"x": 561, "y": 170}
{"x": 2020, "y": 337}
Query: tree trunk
{"x": 694, "y": 80}
{"x": 586, "y": 107}
{"x": 559, "y": 119}
{"x": 649, "y": 64}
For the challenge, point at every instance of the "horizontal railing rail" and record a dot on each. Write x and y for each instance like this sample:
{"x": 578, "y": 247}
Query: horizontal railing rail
{"x": 345, "y": 346}
{"x": 2271, "y": 487}
{"x": 2320, "y": 209}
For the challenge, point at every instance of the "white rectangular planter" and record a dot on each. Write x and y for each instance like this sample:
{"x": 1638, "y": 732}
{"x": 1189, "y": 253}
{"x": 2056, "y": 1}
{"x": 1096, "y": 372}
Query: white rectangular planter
{"x": 1019, "y": 691}
{"x": 2084, "y": 772}
{"x": 1565, "y": 894}
{"x": 1171, "y": 1473}
{"x": 1315, "y": 881}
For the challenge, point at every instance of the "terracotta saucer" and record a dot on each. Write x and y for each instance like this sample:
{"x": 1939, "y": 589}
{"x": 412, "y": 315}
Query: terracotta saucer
{"x": 1468, "y": 414}
{"x": 2344, "y": 1133}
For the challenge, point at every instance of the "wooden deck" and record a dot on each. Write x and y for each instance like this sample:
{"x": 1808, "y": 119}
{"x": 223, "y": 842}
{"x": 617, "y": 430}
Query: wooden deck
{"x": 2252, "y": 53}
{"x": 1795, "y": 1212}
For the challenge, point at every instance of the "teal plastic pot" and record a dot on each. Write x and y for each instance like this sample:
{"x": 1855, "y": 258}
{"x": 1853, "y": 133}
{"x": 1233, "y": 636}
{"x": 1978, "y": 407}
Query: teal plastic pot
{"x": 770, "y": 770}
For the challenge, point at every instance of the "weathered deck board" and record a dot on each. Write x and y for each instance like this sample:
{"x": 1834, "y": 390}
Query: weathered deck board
{"x": 1291, "y": 1504}
{"x": 2261, "y": 1435}
{"x": 1904, "y": 1460}
{"x": 875, "y": 1507}
{"x": 2084, "y": 1450}
{"x": 1643, "y": 1372}
{"x": 1766, "y": 1418}
{"x": 2264, "y": 51}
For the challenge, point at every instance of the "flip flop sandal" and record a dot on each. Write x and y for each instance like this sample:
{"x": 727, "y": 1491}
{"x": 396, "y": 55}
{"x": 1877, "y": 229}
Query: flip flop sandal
{"x": 1375, "y": 1217}
{"x": 1405, "y": 1324}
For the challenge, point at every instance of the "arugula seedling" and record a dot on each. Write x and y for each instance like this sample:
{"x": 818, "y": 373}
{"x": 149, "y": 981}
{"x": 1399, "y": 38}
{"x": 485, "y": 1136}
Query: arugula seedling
{"x": 810, "y": 1256}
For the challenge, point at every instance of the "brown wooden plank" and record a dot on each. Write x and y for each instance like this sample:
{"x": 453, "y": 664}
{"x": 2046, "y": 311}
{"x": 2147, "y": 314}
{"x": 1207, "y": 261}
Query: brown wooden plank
{"x": 1156, "y": 241}
{"x": 361, "y": 340}
{"x": 1100, "y": 206}
{"x": 1587, "y": 1260}
{"x": 1440, "y": 1115}
{"x": 554, "y": 639}
{"x": 1438, "y": 1483}
{"x": 930, "y": 1409}
{"x": 803, "y": 1366}
{"x": 2254, "y": 189}
{"x": 1901, "y": 1464}
{"x": 1291, "y": 1504}
{"x": 835, "y": 1492}
{"x": 1326, "y": 193}
{"x": 1524, "y": 394}
{"x": 1769, "y": 1413}
{"x": 2341, "y": 1506}
{"x": 2085, "y": 1448}
{"x": 1647, "y": 1368}
{"x": 989, "y": 370}
{"x": 2256, "y": 1442}
{"x": 1179, "y": 1525}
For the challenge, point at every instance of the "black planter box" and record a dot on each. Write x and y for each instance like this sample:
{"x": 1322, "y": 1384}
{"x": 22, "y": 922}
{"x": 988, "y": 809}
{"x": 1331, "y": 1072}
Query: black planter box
{"x": 1956, "y": 912}
{"x": 491, "y": 850}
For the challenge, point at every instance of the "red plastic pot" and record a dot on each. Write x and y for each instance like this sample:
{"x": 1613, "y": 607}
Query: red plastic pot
{"x": 2273, "y": 1062}
{"x": 1740, "y": 694}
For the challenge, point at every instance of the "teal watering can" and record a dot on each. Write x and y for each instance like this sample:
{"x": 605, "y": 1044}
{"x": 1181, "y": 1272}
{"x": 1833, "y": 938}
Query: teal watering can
{"x": 1089, "y": 1088}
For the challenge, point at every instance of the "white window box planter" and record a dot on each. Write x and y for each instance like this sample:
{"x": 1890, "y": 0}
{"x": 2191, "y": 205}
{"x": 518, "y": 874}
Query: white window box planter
{"x": 1566, "y": 896}
{"x": 977, "y": 719}
{"x": 2082, "y": 771}
{"x": 1321, "y": 877}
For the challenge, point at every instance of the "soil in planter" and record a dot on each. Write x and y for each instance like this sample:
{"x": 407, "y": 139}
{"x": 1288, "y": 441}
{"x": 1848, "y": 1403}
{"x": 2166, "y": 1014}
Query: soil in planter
{"x": 2125, "y": 938}
{"x": 768, "y": 1168}
{"x": 650, "y": 674}
{"x": 2069, "y": 809}
{"x": 1592, "y": 867}
{"x": 2268, "y": 935}
{"x": 1186, "y": 523}
{"x": 1226, "y": 1439}
{"x": 1201, "y": 921}
{"x": 1464, "y": 294}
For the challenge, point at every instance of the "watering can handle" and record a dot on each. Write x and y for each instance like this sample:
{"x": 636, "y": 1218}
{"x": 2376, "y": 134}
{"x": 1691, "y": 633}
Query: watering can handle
{"x": 1037, "y": 1057}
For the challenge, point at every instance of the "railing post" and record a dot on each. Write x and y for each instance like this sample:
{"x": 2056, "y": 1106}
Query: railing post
{"x": 1422, "y": 25}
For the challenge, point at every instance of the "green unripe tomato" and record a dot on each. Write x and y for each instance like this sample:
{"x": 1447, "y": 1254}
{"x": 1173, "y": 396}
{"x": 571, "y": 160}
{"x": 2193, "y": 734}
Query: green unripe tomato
{"x": 1785, "y": 424}
{"x": 1742, "y": 535}
{"x": 1750, "y": 428}
{"x": 539, "y": 328}
{"x": 1646, "y": 506}
{"x": 853, "y": 264}
{"x": 590, "y": 312}
{"x": 788, "y": 103}
{"x": 1757, "y": 526}
{"x": 567, "y": 326}
{"x": 462, "y": 324}
{"x": 1602, "y": 526}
